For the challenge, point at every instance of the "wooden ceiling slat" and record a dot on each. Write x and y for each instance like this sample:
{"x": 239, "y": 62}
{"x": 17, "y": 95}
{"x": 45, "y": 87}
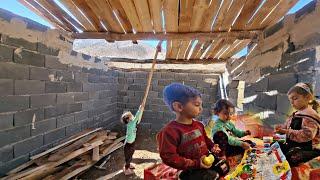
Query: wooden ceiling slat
{"x": 66, "y": 19}
{"x": 142, "y": 9}
{"x": 221, "y": 15}
{"x": 171, "y": 15}
{"x": 236, "y": 49}
{"x": 116, "y": 6}
{"x": 246, "y": 13}
{"x": 222, "y": 51}
{"x": 232, "y": 46}
{"x": 175, "y": 49}
{"x": 82, "y": 5}
{"x": 232, "y": 14}
{"x": 74, "y": 10}
{"x": 185, "y": 15}
{"x": 156, "y": 15}
{"x": 203, "y": 49}
{"x": 196, "y": 49}
{"x": 183, "y": 47}
{"x": 199, "y": 8}
{"x": 216, "y": 48}
{"x": 33, "y": 6}
{"x": 132, "y": 15}
{"x": 189, "y": 49}
{"x": 168, "y": 49}
{"x": 209, "y": 15}
{"x": 102, "y": 8}
{"x": 261, "y": 14}
{"x": 279, "y": 12}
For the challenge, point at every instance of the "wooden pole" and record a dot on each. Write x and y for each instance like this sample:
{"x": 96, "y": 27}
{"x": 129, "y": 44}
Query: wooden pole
{"x": 150, "y": 75}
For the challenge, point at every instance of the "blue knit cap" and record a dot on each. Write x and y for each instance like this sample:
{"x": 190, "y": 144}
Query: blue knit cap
{"x": 177, "y": 92}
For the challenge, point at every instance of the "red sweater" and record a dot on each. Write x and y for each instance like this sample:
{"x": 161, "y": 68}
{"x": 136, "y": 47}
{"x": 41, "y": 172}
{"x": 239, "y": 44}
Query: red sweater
{"x": 181, "y": 146}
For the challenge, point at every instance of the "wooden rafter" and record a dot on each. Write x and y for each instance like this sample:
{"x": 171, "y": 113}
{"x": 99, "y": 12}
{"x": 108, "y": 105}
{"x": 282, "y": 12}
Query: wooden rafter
{"x": 167, "y": 36}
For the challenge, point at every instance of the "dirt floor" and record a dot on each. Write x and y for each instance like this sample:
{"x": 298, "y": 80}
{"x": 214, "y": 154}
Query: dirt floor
{"x": 146, "y": 154}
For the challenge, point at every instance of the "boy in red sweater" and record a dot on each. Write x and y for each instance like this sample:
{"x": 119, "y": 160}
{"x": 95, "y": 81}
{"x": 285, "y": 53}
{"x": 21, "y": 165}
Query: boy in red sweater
{"x": 183, "y": 143}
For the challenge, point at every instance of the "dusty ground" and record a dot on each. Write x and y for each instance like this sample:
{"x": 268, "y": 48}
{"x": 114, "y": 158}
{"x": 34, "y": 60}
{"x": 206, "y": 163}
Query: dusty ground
{"x": 145, "y": 155}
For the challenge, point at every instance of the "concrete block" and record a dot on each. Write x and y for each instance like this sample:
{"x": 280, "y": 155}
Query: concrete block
{"x": 25, "y": 117}
{"x": 53, "y": 62}
{"x": 74, "y": 87}
{"x": 6, "y": 167}
{"x": 55, "y": 135}
{"x": 164, "y": 82}
{"x": 43, "y": 100}
{"x": 62, "y": 109}
{"x": 135, "y": 87}
{"x": 93, "y": 78}
{"x": 55, "y": 87}
{"x": 74, "y": 68}
{"x": 282, "y": 82}
{"x": 81, "y": 77}
{"x": 88, "y": 87}
{"x": 22, "y": 87}
{"x": 6, "y": 87}
{"x": 266, "y": 101}
{"x": 28, "y": 57}
{"x": 43, "y": 49}
{"x": 13, "y": 135}
{"x": 81, "y": 96}
{"x": 80, "y": 116}
{"x": 65, "y": 120}
{"x": 13, "y": 103}
{"x": 92, "y": 71}
{"x": 300, "y": 60}
{"x": 13, "y": 71}
{"x": 167, "y": 75}
{"x": 6, "y": 121}
{"x": 44, "y": 126}
{"x": 283, "y": 104}
{"x": 307, "y": 77}
{"x": 141, "y": 74}
{"x": 73, "y": 129}
{"x": 18, "y": 42}
{"x": 140, "y": 81}
{"x": 6, "y": 154}
{"x": 65, "y": 98}
{"x": 196, "y": 77}
{"x": 6, "y": 53}
{"x": 66, "y": 76}
{"x": 28, "y": 145}
{"x": 43, "y": 74}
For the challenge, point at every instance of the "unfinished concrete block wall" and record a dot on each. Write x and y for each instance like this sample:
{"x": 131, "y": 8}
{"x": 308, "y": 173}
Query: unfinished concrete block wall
{"x": 285, "y": 54}
{"x": 47, "y": 91}
{"x": 132, "y": 86}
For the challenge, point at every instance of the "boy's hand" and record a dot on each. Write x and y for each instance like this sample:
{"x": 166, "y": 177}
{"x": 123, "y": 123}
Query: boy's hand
{"x": 202, "y": 165}
{"x": 277, "y": 128}
{"x": 215, "y": 149}
{"x": 245, "y": 145}
{"x": 248, "y": 132}
{"x": 282, "y": 131}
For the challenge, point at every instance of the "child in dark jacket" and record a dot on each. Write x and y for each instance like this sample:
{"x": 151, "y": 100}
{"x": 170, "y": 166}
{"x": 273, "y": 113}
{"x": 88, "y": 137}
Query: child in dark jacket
{"x": 183, "y": 143}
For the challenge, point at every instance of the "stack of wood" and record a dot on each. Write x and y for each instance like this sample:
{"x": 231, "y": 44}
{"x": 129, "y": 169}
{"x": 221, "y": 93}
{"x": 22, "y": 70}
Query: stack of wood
{"x": 70, "y": 158}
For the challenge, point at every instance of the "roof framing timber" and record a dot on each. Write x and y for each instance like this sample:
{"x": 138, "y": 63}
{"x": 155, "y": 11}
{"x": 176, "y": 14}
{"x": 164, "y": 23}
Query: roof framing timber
{"x": 168, "y": 36}
{"x": 169, "y": 61}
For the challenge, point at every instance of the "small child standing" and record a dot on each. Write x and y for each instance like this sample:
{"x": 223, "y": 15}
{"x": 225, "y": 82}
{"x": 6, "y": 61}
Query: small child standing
{"x": 183, "y": 143}
{"x": 302, "y": 127}
{"x": 225, "y": 133}
{"x": 131, "y": 133}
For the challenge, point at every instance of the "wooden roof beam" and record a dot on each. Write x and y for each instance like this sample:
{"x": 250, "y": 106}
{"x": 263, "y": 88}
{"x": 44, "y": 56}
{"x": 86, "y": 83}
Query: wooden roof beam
{"x": 168, "y": 36}
{"x": 169, "y": 61}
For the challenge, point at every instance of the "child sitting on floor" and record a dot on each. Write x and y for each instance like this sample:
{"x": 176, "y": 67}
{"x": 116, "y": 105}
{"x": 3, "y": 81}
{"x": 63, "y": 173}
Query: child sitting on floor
{"x": 302, "y": 127}
{"x": 225, "y": 133}
{"x": 183, "y": 143}
{"x": 129, "y": 147}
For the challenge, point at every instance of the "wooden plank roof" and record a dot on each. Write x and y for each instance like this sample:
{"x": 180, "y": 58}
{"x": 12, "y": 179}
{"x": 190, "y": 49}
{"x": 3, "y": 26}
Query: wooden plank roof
{"x": 194, "y": 29}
